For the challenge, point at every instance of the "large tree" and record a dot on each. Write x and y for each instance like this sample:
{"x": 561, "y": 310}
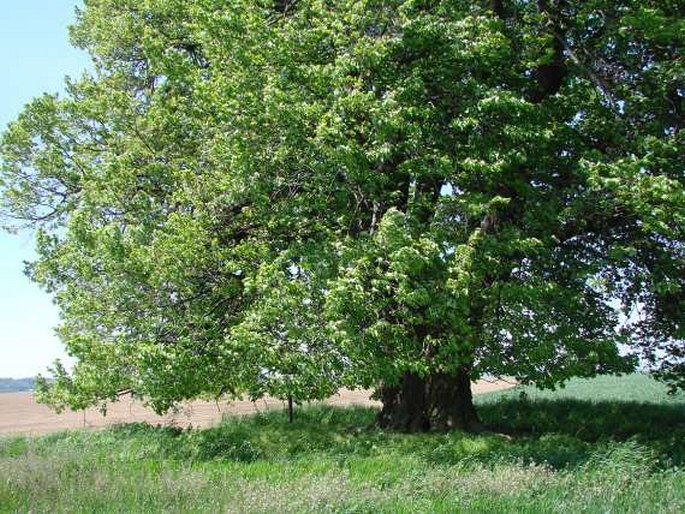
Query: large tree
{"x": 281, "y": 197}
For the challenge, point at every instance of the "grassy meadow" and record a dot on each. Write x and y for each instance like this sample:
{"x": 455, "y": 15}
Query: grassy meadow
{"x": 612, "y": 444}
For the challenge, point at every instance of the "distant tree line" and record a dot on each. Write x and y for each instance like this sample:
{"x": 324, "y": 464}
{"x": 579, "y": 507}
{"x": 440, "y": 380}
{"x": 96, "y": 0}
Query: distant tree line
{"x": 8, "y": 385}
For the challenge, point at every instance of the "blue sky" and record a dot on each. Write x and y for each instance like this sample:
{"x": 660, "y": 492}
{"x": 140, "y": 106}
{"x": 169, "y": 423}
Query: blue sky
{"x": 36, "y": 56}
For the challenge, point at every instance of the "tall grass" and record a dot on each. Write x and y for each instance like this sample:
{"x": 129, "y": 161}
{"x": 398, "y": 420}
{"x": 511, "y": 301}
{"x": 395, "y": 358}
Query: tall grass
{"x": 578, "y": 450}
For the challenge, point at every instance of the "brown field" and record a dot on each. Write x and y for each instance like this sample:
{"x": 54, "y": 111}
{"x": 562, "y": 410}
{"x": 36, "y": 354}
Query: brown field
{"x": 20, "y": 414}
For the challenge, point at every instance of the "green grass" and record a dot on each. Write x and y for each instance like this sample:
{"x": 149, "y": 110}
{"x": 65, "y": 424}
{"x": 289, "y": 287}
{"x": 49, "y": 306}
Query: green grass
{"x": 605, "y": 445}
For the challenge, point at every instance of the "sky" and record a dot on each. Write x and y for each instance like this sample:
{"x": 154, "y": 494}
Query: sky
{"x": 36, "y": 56}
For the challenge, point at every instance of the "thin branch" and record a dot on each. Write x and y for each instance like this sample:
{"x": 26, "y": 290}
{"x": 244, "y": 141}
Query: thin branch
{"x": 596, "y": 79}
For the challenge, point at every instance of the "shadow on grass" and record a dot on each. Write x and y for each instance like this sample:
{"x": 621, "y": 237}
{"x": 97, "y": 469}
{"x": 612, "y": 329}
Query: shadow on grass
{"x": 566, "y": 432}
{"x": 560, "y": 434}
{"x": 585, "y": 420}
{"x": 268, "y": 436}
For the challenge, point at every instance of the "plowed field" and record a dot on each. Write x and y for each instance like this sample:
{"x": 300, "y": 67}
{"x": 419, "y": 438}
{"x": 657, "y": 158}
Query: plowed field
{"x": 20, "y": 414}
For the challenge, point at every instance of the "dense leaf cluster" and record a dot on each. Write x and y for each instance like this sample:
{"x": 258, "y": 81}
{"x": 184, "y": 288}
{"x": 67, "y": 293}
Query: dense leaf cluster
{"x": 282, "y": 197}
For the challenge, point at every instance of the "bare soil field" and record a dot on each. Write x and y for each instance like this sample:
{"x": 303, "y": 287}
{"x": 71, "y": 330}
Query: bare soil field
{"x": 20, "y": 414}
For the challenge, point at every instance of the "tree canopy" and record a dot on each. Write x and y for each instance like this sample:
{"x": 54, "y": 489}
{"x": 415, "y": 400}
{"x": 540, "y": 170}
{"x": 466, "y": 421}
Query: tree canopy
{"x": 283, "y": 197}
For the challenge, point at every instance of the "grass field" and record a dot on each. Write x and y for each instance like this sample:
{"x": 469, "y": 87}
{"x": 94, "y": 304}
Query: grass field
{"x": 605, "y": 445}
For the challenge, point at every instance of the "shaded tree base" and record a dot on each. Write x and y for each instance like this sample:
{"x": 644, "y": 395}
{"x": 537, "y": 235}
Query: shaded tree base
{"x": 436, "y": 402}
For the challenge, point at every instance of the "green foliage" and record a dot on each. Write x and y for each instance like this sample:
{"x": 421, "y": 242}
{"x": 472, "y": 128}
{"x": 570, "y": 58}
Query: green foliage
{"x": 259, "y": 197}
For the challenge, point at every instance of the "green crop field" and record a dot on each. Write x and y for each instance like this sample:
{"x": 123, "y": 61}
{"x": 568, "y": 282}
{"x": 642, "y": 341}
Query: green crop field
{"x": 604, "y": 445}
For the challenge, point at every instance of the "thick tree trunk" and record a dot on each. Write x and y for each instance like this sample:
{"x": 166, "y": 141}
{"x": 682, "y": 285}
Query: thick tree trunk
{"x": 436, "y": 402}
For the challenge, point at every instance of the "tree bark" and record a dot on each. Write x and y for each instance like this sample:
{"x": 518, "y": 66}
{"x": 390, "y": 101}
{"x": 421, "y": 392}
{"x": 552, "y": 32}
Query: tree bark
{"x": 436, "y": 402}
